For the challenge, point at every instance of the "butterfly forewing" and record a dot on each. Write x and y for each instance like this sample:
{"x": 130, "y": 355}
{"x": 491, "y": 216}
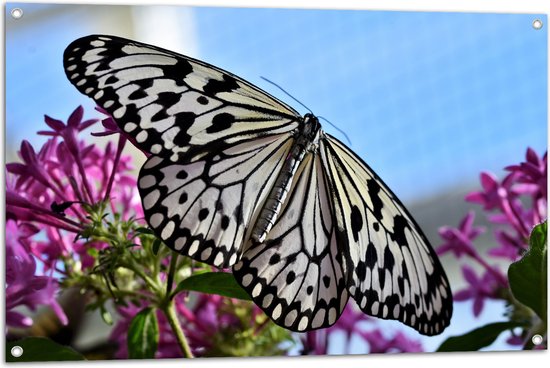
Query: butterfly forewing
{"x": 169, "y": 103}
{"x": 391, "y": 269}
{"x": 218, "y": 147}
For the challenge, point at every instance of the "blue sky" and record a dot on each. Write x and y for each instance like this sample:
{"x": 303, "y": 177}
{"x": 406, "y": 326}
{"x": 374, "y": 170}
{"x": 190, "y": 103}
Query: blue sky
{"x": 428, "y": 99}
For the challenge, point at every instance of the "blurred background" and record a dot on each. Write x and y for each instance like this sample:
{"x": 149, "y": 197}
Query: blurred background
{"x": 428, "y": 99}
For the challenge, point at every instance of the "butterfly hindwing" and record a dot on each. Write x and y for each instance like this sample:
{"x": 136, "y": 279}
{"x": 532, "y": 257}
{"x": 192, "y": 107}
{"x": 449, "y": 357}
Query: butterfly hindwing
{"x": 391, "y": 269}
{"x": 204, "y": 206}
{"x": 296, "y": 275}
{"x": 169, "y": 103}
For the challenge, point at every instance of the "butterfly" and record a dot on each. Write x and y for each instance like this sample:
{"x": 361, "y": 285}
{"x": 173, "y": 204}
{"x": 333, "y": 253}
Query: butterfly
{"x": 237, "y": 178}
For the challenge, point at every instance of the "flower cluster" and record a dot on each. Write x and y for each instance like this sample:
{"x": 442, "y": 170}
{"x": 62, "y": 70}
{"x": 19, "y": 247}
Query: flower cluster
{"x": 23, "y": 286}
{"x": 514, "y": 205}
{"x": 355, "y": 324}
{"x": 46, "y": 195}
{"x": 50, "y": 189}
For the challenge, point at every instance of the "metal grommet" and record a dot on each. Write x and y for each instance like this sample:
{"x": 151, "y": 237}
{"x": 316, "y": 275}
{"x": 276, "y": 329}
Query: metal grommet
{"x": 16, "y": 351}
{"x": 537, "y": 24}
{"x": 536, "y": 339}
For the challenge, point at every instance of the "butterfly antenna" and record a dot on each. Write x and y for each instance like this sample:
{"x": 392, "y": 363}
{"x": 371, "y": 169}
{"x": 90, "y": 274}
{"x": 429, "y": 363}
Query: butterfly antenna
{"x": 288, "y": 94}
{"x": 307, "y": 108}
{"x": 338, "y": 129}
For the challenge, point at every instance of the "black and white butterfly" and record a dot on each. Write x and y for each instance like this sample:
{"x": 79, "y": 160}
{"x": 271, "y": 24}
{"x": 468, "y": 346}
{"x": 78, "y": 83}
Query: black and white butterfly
{"x": 237, "y": 178}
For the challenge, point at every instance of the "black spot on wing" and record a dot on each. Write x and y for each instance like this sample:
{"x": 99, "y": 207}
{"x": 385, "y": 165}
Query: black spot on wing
{"x": 377, "y": 204}
{"x": 361, "y": 270}
{"x": 137, "y": 94}
{"x": 203, "y": 213}
{"x": 215, "y": 86}
{"x": 178, "y": 71}
{"x": 183, "y": 120}
{"x": 389, "y": 260}
{"x": 326, "y": 281}
{"x": 356, "y": 222}
{"x": 182, "y": 174}
{"x": 102, "y": 66}
{"x": 275, "y": 258}
{"x": 143, "y": 83}
{"x": 182, "y": 139}
{"x": 221, "y": 122}
{"x": 372, "y": 295}
{"x": 401, "y": 285}
{"x": 382, "y": 277}
{"x": 371, "y": 257}
{"x": 399, "y": 226}
{"x": 404, "y": 270}
{"x": 290, "y": 277}
{"x": 225, "y": 222}
{"x": 167, "y": 100}
{"x": 111, "y": 80}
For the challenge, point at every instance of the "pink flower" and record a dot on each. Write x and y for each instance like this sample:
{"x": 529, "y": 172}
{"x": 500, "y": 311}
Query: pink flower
{"x": 353, "y": 323}
{"x": 350, "y": 322}
{"x": 459, "y": 240}
{"x": 533, "y": 172}
{"x": 48, "y": 189}
{"x": 510, "y": 247}
{"x": 479, "y": 289}
{"x": 23, "y": 286}
{"x": 493, "y": 192}
{"x": 315, "y": 343}
{"x": 400, "y": 343}
{"x": 111, "y": 127}
{"x": 70, "y": 131}
{"x": 32, "y": 167}
{"x": 527, "y": 179}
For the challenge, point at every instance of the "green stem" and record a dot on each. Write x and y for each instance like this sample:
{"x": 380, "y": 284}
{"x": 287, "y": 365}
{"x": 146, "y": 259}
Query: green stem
{"x": 171, "y": 272}
{"x": 135, "y": 268}
{"x": 170, "y": 312}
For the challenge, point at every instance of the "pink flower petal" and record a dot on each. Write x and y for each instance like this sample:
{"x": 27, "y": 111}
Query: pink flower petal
{"x": 488, "y": 181}
{"x": 75, "y": 118}
{"x": 478, "y": 306}
{"x": 55, "y": 124}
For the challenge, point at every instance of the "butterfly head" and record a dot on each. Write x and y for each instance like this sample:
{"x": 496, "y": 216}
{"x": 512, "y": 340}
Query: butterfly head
{"x": 311, "y": 127}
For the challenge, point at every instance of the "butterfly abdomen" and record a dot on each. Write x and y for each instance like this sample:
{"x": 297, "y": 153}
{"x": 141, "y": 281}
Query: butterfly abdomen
{"x": 305, "y": 135}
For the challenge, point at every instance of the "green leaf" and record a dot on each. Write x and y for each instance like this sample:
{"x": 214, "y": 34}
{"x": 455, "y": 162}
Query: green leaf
{"x": 143, "y": 335}
{"x": 478, "y": 338}
{"x": 220, "y": 283}
{"x": 144, "y": 230}
{"x": 527, "y": 277}
{"x": 156, "y": 246}
{"x": 41, "y": 349}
